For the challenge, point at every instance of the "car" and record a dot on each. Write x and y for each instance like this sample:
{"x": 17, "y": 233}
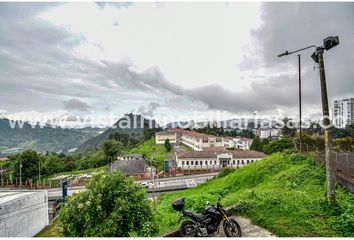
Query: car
{"x": 145, "y": 184}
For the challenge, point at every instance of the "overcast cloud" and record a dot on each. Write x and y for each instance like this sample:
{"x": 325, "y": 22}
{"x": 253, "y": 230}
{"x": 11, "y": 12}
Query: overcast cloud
{"x": 101, "y": 58}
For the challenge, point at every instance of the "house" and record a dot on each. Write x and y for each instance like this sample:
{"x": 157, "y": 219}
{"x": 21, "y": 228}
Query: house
{"x": 136, "y": 168}
{"x": 216, "y": 158}
{"x": 134, "y": 156}
{"x": 242, "y": 143}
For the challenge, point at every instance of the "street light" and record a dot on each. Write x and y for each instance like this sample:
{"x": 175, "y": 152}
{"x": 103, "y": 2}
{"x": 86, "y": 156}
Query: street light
{"x": 317, "y": 56}
{"x": 299, "y": 68}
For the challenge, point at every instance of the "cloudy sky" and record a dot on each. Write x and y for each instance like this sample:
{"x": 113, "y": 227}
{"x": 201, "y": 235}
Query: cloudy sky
{"x": 169, "y": 59}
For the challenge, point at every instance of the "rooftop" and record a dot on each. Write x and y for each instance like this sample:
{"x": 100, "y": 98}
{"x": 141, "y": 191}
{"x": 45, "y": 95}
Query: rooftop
{"x": 216, "y": 152}
{"x": 129, "y": 167}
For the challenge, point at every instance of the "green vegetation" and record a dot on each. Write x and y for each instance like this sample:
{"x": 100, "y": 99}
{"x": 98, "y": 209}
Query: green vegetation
{"x": 344, "y": 144}
{"x": 111, "y": 205}
{"x": 42, "y": 139}
{"x": 214, "y": 130}
{"x": 158, "y": 150}
{"x": 53, "y": 230}
{"x": 284, "y": 193}
{"x": 129, "y": 130}
{"x": 168, "y": 145}
{"x": 278, "y": 145}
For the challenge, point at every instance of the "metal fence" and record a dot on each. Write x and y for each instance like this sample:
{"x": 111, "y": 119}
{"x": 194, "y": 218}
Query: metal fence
{"x": 344, "y": 164}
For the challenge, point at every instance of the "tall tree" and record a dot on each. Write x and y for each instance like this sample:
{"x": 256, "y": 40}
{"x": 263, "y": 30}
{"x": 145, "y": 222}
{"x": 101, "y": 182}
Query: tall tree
{"x": 168, "y": 145}
{"x": 112, "y": 148}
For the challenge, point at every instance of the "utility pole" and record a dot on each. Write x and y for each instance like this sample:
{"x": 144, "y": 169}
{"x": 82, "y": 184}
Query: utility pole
{"x": 331, "y": 197}
{"x": 300, "y": 122}
{"x": 20, "y": 174}
{"x": 317, "y": 56}
{"x": 39, "y": 173}
{"x": 151, "y": 175}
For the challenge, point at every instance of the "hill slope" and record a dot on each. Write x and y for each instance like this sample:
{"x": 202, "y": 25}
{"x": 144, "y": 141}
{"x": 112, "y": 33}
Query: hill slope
{"x": 283, "y": 193}
{"x": 129, "y": 124}
{"x": 48, "y": 138}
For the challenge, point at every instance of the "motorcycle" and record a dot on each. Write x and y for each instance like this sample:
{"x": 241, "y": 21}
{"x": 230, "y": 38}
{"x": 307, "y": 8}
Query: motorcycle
{"x": 207, "y": 223}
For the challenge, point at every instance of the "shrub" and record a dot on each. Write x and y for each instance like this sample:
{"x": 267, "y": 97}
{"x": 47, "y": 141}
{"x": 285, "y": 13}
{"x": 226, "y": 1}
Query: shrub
{"x": 111, "y": 206}
{"x": 225, "y": 171}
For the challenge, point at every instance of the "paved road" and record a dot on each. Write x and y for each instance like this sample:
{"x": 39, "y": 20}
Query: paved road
{"x": 161, "y": 185}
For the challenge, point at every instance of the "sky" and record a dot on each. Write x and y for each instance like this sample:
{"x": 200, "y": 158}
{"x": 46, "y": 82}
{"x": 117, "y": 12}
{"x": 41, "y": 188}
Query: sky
{"x": 169, "y": 60}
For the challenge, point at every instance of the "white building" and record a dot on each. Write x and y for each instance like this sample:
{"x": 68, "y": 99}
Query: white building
{"x": 216, "y": 158}
{"x": 196, "y": 141}
{"x": 228, "y": 142}
{"x": 267, "y": 133}
{"x": 161, "y": 137}
{"x": 243, "y": 143}
{"x": 343, "y": 112}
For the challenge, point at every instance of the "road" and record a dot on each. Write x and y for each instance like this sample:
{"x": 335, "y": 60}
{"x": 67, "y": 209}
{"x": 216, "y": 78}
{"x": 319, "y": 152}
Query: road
{"x": 161, "y": 185}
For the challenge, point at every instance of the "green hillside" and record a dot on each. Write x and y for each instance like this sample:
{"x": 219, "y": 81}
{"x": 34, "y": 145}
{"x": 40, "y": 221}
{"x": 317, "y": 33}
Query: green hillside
{"x": 47, "y": 138}
{"x": 125, "y": 125}
{"x": 284, "y": 193}
{"x": 159, "y": 152}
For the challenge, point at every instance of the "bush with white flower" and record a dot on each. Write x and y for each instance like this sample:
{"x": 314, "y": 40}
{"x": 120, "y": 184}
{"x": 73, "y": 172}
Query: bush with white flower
{"x": 111, "y": 206}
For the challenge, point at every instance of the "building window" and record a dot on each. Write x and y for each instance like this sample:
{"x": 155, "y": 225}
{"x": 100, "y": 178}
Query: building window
{"x": 187, "y": 163}
{"x": 238, "y": 161}
{"x": 191, "y": 162}
{"x": 182, "y": 163}
{"x": 248, "y": 161}
{"x": 214, "y": 162}
{"x": 201, "y": 162}
{"x": 233, "y": 162}
{"x": 211, "y": 162}
{"x": 242, "y": 161}
{"x": 196, "y": 162}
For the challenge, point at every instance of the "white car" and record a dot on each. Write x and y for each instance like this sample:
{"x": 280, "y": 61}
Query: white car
{"x": 147, "y": 184}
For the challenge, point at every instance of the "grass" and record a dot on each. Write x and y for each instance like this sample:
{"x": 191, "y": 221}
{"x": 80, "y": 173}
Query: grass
{"x": 53, "y": 230}
{"x": 159, "y": 152}
{"x": 284, "y": 193}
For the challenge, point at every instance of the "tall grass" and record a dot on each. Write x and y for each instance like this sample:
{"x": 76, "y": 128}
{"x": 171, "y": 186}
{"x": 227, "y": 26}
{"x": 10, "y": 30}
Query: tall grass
{"x": 284, "y": 193}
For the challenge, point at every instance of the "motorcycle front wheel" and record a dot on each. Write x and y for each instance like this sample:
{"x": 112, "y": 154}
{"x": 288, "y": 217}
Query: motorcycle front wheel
{"x": 188, "y": 229}
{"x": 232, "y": 228}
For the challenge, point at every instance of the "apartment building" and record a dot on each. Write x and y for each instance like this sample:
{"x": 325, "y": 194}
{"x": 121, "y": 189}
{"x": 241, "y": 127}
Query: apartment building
{"x": 343, "y": 112}
{"x": 267, "y": 133}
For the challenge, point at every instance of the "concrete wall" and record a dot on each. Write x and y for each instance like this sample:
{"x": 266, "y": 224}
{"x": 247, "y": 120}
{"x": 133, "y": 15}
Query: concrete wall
{"x": 23, "y": 213}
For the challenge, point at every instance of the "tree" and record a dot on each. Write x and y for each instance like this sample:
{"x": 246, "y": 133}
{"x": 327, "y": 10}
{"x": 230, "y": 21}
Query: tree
{"x": 111, "y": 206}
{"x": 289, "y": 129}
{"x": 53, "y": 164}
{"x": 30, "y": 163}
{"x": 256, "y": 144}
{"x": 112, "y": 148}
{"x": 168, "y": 145}
{"x": 278, "y": 145}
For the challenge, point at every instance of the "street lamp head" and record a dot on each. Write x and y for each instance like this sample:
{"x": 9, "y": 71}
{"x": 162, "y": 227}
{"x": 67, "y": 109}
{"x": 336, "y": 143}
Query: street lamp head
{"x": 283, "y": 54}
{"x": 314, "y": 56}
{"x": 330, "y": 42}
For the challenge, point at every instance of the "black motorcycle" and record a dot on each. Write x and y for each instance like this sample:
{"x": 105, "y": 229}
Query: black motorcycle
{"x": 208, "y": 222}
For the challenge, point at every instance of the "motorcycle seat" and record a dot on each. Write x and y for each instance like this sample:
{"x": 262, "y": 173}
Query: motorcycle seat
{"x": 195, "y": 216}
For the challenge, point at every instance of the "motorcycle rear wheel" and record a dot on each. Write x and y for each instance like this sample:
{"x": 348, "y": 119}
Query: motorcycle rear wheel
{"x": 232, "y": 228}
{"x": 188, "y": 229}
